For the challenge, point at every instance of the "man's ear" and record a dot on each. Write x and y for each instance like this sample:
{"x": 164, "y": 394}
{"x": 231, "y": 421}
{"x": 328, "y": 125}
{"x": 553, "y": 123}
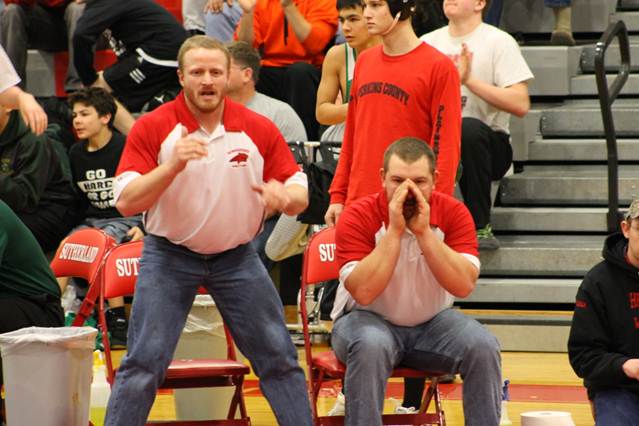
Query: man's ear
{"x": 247, "y": 74}
{"x": 625, "y": 228}
{"x": 382, "y": 175}
{"x": 435, "y": 177}
{"x": 180, "y": 77}
{"x": 104, "y": 119}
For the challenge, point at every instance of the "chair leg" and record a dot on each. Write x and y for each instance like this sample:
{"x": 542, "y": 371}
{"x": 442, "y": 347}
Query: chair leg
{"x": 238, "y": 400}
{"x": 431, "y": 394}
{"x": 438, "y": 407}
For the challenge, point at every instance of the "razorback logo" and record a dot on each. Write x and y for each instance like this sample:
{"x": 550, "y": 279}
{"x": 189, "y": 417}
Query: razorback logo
{"x": 581, "y": 304}
{"x": 239, "y": 159}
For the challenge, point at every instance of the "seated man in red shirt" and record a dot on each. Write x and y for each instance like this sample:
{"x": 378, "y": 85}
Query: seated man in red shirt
{"x": 405, "y": 253}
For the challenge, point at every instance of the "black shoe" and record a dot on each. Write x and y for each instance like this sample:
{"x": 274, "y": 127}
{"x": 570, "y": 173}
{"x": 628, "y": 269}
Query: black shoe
{"x": 118, "y": 327}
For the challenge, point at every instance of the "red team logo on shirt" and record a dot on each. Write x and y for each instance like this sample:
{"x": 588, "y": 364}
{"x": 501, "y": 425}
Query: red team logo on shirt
{"x": 239, "y": 157}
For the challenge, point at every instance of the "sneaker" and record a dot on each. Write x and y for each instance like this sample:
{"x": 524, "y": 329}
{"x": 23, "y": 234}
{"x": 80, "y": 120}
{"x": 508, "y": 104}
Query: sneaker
{"x": 562, "y": 38}
{"x": 486, "y": 239}
{"x": 118, "y": 327}
{"x": 447, "y": 378}
{"x": 400, "y": 409}
{"x": 339, "y": 409}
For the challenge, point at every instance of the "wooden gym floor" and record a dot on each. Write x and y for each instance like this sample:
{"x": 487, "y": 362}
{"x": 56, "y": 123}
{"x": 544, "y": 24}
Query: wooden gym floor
{"x": 539, "y": 381}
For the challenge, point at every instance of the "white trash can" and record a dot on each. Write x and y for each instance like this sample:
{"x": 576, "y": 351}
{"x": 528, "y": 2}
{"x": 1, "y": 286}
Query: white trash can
{"x": 47, "y": 375}
{"x": 203, "y": 337}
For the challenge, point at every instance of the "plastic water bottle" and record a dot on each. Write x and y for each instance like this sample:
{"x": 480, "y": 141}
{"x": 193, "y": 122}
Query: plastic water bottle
{"x": 100, "y": 390}
{"x": 505, "y": 397}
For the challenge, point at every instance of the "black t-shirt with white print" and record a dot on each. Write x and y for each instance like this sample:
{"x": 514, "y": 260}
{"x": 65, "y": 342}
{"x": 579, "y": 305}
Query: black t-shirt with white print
{"x": 93, "y": 174}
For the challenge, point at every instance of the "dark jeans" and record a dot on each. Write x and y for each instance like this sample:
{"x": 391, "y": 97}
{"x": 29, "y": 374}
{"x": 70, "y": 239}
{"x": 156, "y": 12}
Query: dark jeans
{"x": 616, "y": 407}
{"x": 486, "y": 156}
{"x": 492, "y": 15}
{"x": 42, "y": 28}
{"x": 297, "y": 86}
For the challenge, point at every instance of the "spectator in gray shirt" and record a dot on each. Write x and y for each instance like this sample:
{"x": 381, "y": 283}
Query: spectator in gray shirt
{"x": 245, "y": 69}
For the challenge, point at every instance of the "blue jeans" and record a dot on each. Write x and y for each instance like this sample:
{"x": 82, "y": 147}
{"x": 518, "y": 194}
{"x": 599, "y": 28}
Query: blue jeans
{"x": 616, "y": 407}
{"x": 170, "y": 276}
{"x": 557, "y": 3}
{"x": 449, "y": 343}
{"x": 492, "y": 15}
{"x": 115, "y": 227}
{"x": 221, "y": 26}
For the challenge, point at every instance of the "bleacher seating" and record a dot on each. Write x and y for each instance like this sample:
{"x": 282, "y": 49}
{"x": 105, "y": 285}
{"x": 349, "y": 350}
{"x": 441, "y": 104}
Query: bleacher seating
{"x": 551, "y": 214}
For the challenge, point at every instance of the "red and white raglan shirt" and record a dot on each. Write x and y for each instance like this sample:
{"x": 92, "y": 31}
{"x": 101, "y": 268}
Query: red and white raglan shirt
{"x": 210, "y": 206}
{"x": 413, "y": 295}
{"x": 416, "y": 94}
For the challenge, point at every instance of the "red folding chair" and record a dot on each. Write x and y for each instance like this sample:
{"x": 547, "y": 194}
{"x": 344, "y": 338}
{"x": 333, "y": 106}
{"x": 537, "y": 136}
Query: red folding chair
{"x": 80, "y": 255}
{"x": 320, "y": 265}
{"x": 118, "y": 277}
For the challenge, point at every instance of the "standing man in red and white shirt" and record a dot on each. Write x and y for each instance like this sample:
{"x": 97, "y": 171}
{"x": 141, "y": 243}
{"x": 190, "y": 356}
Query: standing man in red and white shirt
{"x": 405, "y": 253}
{"x": 206, "y": 171}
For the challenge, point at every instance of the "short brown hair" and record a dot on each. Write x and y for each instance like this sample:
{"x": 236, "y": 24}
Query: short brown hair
{"x": 245, "y": 55}
{"x": 410, "y": 149}
{"x": 204, "y": 42}
{"x": 95, "y": 97}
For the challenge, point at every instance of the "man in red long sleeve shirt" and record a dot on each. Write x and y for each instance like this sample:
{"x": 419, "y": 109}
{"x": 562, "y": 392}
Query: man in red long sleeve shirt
{"x": 291, "y": 35}
{"x": 401, "y": 88}
{"x": 40, "y": 24}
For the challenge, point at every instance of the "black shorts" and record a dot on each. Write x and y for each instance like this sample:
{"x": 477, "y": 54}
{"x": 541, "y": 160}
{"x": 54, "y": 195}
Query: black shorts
{"x": 134, "y": 80}
{"x": 21, "y": 311}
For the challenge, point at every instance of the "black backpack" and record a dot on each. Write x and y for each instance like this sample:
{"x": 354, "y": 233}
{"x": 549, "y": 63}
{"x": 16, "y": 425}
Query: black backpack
{"x": 320, "y": 175}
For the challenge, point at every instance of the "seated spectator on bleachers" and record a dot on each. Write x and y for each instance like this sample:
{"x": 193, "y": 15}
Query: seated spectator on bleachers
{"x": 13, "y": 97}
{"x": 562, "y": 30}
{"x": 604, "y": 336}
{"x": 33, "y": 182}
{"x": 146, "y": 39}
{"x": 494, "y": 77}
{"x": 93, "y": 162}
{"x": 29, "y": 293}
{"x": 193, "y": 16}
{"x": 221, "y": 18}
{"x": 292, "y": 37}
{"x": 244, "y": 75}
{"x": 339, "y": 67}
{"x": 40, "y": 24}
{"x": 405, "y": 253}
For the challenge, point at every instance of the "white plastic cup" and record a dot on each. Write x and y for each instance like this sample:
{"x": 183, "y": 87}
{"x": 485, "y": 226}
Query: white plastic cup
{"x": 546, "y": 418}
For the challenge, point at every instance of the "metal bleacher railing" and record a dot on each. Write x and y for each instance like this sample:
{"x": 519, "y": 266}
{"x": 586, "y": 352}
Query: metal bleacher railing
{"x": 607, "y": 96}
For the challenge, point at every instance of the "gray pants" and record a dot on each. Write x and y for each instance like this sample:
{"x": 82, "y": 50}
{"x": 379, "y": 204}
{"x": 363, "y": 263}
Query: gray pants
{"x": 42, "y": 28}
{"x": 449, "y": 343}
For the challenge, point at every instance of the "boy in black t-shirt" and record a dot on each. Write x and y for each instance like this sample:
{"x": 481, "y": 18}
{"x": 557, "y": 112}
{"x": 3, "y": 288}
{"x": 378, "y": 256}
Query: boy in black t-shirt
{"x": 93, "y": 162}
